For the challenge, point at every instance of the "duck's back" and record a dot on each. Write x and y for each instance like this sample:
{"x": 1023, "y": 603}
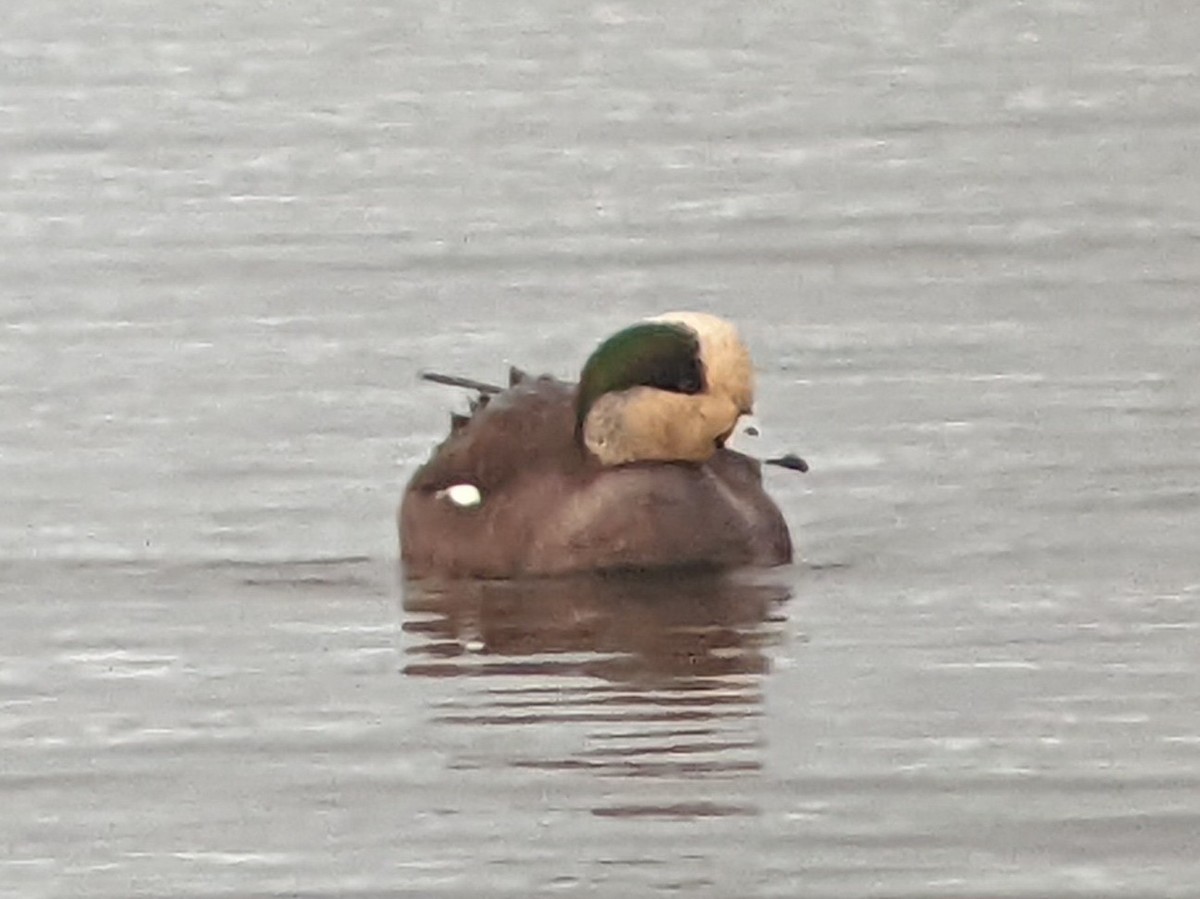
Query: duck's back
{"x": 525, "y": 428}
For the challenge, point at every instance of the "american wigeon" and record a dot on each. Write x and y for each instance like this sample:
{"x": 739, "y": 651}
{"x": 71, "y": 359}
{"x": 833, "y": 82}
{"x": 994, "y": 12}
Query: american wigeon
{"x": 628, "y": 470}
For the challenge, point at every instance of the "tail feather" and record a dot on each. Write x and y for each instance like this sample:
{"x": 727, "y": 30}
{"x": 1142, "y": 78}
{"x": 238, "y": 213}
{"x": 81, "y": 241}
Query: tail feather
{"x": 456, "y": 381}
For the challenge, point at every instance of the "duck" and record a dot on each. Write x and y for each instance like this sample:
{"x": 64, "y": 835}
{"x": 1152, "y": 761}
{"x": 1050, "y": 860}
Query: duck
{"x": 626, "y": 470}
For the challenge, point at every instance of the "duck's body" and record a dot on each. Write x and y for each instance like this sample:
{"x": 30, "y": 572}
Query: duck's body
{"x": 626, "y": 471}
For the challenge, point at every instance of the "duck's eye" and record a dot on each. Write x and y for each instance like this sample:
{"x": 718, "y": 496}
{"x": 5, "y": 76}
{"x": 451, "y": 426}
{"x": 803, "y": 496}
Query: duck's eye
{"x": 465, "y": 496}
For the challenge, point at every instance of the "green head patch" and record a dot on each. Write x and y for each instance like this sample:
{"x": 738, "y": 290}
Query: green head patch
{"x": 650, "y": 354}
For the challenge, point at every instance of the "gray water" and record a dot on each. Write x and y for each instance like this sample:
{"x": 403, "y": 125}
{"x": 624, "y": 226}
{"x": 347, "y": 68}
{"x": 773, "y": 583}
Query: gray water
{"x": 963, "y": 240}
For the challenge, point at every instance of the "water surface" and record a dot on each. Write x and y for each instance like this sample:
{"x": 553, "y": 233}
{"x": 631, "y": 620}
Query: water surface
{"x": 963, "y": 240}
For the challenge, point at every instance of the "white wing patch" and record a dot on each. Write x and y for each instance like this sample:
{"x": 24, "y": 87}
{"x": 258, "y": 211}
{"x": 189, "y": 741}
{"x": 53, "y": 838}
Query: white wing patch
{"x": 465, "y": 496}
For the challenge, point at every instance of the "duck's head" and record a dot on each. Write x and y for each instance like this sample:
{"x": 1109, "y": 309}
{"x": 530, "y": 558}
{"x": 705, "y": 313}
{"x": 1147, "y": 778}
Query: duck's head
{"x": 728, "y": 369}
{"x": 669, "y": 388}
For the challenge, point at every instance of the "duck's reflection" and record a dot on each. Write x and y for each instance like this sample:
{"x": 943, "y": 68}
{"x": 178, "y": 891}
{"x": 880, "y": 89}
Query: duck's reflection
{"x": 633, "y": 677}
{"x": 666, "y": 630}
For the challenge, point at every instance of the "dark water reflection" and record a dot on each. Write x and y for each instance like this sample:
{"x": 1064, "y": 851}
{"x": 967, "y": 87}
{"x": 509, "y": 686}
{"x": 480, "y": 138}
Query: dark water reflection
{"x": 667, "y": 631}
{"x": 659, "y": 677}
